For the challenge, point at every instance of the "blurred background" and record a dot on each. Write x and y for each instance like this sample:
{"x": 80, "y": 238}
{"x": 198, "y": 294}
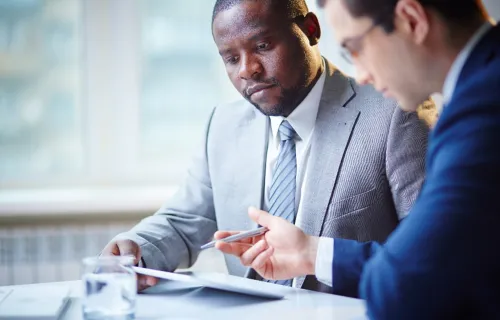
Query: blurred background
{"x": 101, "y": 104}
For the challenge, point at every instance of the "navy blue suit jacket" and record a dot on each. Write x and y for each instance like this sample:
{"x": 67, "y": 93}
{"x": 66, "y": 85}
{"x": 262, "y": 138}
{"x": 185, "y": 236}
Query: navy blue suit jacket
{"x": 442, "y": 262}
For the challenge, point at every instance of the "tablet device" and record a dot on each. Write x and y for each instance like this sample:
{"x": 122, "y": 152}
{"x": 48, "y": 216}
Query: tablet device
{"x": 221, "y": 282}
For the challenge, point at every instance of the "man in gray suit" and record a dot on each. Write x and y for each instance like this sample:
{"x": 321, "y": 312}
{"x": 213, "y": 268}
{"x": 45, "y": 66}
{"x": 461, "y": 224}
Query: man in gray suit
{"x": 307, "y": 144}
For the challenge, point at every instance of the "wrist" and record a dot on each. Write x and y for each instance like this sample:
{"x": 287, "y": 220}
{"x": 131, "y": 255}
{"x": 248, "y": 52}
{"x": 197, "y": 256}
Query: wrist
{"x": 310, "y": 254}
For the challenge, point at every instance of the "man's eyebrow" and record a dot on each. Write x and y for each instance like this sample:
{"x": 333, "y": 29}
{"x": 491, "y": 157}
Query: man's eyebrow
{"x": 224, "y": 52}
{"x": 260, "y": 34}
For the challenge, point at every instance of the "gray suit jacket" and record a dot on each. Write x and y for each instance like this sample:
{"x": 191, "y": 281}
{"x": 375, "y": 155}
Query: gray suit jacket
{"x": 366, "y": 168}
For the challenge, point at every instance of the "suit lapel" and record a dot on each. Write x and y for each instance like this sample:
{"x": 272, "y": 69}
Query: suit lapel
{"x": 334, "y": 125}
{"x": 251, "y": 146}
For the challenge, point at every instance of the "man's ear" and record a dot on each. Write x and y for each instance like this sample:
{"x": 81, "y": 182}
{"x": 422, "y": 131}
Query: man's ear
{"x": 413, "y": 20}
{"x": 310, "y": 26}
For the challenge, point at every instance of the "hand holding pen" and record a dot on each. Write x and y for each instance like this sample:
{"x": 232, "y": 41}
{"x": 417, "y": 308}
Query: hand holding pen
{"x": 283, "y": 251}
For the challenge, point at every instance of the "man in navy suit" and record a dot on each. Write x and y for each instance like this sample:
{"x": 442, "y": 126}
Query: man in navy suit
{"x": 442, "y": 261}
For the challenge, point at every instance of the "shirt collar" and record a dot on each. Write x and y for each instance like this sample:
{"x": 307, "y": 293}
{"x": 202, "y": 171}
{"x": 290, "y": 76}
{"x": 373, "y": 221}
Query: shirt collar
{"x": 457, "y": 66}
{"x": 303, "y": 118}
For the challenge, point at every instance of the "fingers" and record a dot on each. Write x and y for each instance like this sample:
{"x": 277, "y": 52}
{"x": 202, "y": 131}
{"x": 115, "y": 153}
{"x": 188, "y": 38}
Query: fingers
{"x": 224, "y": 234}
{"x": 144, "y": 282}
{"x": 248, "y": 257}
{"x": 261, "y": 217}
{"x": 234, "y": 248}
{"x": 129, "y": 248}
{"x": 263, "y": 258}
{"x": 123, "y": 248}
{"x": 219, "y": 235}
{"x": 111, "y": 249}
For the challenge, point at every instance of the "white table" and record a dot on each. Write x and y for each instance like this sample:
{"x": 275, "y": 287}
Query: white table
{"x": 174, "y": 300}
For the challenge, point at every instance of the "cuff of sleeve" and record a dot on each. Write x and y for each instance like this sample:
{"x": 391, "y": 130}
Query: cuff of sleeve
{"x": 324, "y": 260}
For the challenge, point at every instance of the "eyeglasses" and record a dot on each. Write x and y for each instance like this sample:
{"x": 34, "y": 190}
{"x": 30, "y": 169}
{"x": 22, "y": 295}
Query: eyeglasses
{"x": 351, "y": 47}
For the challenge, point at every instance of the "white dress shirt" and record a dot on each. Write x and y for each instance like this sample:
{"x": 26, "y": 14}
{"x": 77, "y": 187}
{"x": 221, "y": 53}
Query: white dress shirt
{"x": 324, "y": 259}
{"x": 302, "y": 120}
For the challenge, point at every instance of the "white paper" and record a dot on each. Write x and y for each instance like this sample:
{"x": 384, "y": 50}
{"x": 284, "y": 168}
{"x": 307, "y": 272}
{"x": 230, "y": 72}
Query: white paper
{"x": 34, "y": 302}
{"x": 4, "y": 292}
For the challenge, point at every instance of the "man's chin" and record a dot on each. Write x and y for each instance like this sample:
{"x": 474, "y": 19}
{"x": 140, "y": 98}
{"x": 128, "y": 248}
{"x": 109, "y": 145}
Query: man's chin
{"x": 270, "y": 110}
{"x": 408, "y": 105}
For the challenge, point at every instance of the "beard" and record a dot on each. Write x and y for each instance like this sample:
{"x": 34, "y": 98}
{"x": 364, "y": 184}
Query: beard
{"x": 276, "y": 110}
{"x": 287, "y": 102}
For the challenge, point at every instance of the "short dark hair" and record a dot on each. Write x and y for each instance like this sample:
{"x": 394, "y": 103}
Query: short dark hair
{"x": 292, "y": 8}
{"x": 454, "y": 12}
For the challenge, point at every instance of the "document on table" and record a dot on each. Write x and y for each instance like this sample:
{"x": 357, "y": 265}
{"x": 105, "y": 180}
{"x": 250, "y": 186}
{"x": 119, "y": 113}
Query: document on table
{"x": 220, "y": 282}
{"x": 34, "y": 302}
{"x": 4, "y": 292}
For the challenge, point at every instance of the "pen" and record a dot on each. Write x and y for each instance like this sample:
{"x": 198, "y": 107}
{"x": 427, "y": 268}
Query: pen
{"x": 236, "y": 237}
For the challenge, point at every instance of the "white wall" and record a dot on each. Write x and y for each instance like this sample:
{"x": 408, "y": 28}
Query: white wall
{"x": 493, "y": 7}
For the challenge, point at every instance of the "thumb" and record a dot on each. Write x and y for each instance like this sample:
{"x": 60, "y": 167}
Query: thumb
{"x": 129, "y": 248}
{"x": 261, "y": 217}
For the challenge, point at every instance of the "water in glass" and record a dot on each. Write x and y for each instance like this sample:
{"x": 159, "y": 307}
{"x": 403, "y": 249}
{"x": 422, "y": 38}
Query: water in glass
{"x": 110, "y": 289}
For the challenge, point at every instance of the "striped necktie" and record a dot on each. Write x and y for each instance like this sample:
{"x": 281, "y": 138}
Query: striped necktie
{"x": 283, "y": 185}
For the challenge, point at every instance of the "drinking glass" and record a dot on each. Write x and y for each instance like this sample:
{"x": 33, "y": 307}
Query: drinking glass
{"x": 110, "y": 288}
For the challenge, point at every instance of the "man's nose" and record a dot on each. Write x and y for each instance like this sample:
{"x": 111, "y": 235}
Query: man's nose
{"x": 362, "y": 76}
{"x": 250, "y": 67}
